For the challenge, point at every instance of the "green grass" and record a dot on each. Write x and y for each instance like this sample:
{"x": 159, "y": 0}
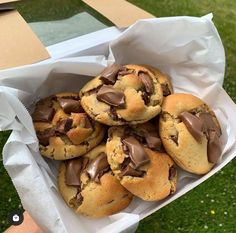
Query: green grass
{"x": 211, "y": 206}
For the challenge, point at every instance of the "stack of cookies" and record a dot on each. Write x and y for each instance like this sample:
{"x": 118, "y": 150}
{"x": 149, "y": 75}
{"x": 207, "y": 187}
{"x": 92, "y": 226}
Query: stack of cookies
{"x": 123, "y": 135}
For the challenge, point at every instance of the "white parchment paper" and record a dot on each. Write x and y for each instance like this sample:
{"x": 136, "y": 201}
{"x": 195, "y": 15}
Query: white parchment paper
{"x": 188, "y": 49}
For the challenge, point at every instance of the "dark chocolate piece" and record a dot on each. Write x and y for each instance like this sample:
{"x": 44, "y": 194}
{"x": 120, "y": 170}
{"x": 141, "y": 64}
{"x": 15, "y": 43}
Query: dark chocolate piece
{"x": 147, "y": 82}
{"x": 165, "y": 89}
{"x": 124, "y": 71}
{"x": 172, "y": 173}
{"x": 43, "y": 114}
{"x": 44, "y": 136}
{"x": 73, "y": 171}
{"x": 209, "y": 124}
{"x": 174, "y": 138}
{"x": 136, "y": 151}
{"x": 64, "y": 126}
{"x": 97, "y": 167}
{"x": 70, "y": 105}
{"x": 129, "y": 171}
{"x": 113, "y": 114}
{"x": 111, "y": 96}
{"x": 146, "y": 98}
{"x": 213, "y": 147}
{"x": 109, "y": 75}
{"x": 193, "y": 124}
{"x": 153, "y": 142}
{"x": 88, "y": 124}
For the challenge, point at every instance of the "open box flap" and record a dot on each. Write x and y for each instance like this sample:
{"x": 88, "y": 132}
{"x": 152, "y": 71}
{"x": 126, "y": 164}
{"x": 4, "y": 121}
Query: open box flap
{"x": 18, "y": 44}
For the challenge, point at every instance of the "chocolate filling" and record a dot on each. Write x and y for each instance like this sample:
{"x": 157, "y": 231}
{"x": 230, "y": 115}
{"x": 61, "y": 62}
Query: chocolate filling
{"x": 43, "y": 114}
{"x": 174, "y": 138}
{"x": 111, "y": 96}
{"x": 172, "y": 173}
{"x": 165, "y": 89}
{"x": 97, "y": 167}
{"x": 109, "y": 75}
{"x": 70, "y": 105}
{"x": 44, "y": 136}
{"x": 64, "y": 126}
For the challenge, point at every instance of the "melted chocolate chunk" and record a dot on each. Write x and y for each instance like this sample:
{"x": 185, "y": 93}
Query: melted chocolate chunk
{"x": 111, "y": 96}
{"x": 70, "y": 105}
{"x": 97, "y": 167}
{"x": 44, "y": 136}
{"x": 79, "y": 197}
{"x": 88, "y": 124}
{"x": 109, "y": 75}
{"x": 146, "y": 98}
{"x": 64, "y": 126}
{"x": 74, "y": 168}
{"x": 129, "y": 171}
{"x": 172, "y": 173}
{"x": 43, "y": 114}
{"x": 136, "y": 151}
{"x": 153, "y": 142}
{"x": 113, "y": 114}
{"x": 147, "y": 82}
{"x": 209, "y": 124}
{"x": 165, "y": 89}
{"x": 193, "y": 124}
{"x": 213, "y": 147}
{"x": 124, "y": 71}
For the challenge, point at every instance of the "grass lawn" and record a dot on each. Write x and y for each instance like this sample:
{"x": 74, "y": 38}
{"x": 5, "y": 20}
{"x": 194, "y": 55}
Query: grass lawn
{"x": 211, "y": 207}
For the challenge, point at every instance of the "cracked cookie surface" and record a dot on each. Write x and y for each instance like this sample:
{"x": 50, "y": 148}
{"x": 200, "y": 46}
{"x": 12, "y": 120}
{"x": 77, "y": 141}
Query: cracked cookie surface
{"x": 137, "y": 159}
{"x": 190, "y": 132}
{"x": 89, "y": 187}
{"x": 120, "y": 95}
{"x": 63, "y": 129}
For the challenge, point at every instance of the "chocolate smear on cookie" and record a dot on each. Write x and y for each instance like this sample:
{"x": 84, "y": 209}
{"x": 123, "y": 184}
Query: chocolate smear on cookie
{"x": 44, "y": 136}
{"x": 193, "y": 124}
{"x": 74, "y": 168}
{"x": 70, "y": 105}
{"x": 111, "y": 96}
{"x": 109, "y": 75}
{"x": 97, "y": 167}
{"x": 136, "y": 152}
{"x": 64, "y": 126}
{"x": 147, "y": 82}
{"x": 165, "y": 89}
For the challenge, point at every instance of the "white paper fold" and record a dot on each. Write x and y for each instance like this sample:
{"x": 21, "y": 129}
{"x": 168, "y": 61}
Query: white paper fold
{"x": 186, "y": 48}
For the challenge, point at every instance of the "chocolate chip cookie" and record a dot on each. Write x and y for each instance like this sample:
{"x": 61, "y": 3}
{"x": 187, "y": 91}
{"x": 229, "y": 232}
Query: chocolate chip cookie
{"x": 190, "y": 132}
{"x": 120, "y": 95}
{"x": 63, "y": 129}
{"x": 163, "y": 79}
{"x": 138, "y": 160}
{"x": 89, "y": 187}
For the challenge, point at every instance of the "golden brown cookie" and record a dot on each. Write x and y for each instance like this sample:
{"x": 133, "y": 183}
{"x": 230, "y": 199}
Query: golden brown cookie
{"x": 137, "y": 159}
{"x": 190, "y": 132}
{"x": 122, "y": 95}
{"x": 163, "y": 79}
{"x": 63, "y": 129}
{"x": 89, "y": 187}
